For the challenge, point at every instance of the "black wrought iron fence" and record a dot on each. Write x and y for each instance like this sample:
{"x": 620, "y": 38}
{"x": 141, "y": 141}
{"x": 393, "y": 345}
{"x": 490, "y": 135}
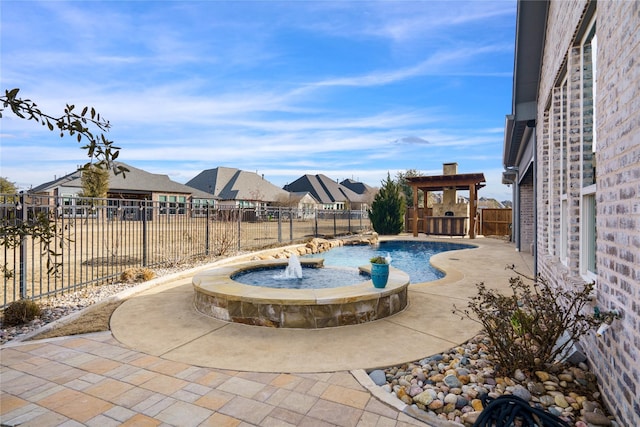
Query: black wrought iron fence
{"x": 95, "y": 240}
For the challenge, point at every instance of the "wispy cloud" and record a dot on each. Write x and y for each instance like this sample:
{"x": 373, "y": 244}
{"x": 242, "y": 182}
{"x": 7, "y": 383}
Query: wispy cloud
{"x": 341, "y": 88}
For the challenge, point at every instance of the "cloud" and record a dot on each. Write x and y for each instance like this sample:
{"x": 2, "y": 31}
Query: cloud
{"x": 452, "y": 62}
{"x": 411, "y": 140}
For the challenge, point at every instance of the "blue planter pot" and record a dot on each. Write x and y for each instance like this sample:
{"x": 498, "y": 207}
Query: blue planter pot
{"x": 379, "y": 275}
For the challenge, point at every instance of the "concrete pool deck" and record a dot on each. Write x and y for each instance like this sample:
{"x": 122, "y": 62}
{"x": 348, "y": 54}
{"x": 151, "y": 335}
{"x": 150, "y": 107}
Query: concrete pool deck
{"x": 162, "y": 322}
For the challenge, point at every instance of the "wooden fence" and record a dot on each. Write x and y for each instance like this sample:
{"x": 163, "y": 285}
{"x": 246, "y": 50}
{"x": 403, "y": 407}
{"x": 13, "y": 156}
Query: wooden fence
{"x": 493, "y": 222}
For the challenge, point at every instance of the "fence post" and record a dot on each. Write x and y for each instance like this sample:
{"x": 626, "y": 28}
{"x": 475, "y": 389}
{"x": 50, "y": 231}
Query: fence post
{"x": 279, "y": 224}
{"x": 206, "y": 232}
{"x": 349, "y": 221}
{"x": 335, "y": 230}
{"x": 143, "y": 208}
{"x": 23, "y": 248}
{"x": 316, "y": 222}
{"x": 239, "y": 228}
{"x": 291, "y": 212}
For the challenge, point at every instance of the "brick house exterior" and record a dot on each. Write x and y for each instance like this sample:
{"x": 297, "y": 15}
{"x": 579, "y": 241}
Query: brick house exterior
{"x": 572, "y": 147}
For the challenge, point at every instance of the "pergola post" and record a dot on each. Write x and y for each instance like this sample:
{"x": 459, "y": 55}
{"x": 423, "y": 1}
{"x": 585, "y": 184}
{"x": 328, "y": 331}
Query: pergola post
{"x": 415, "y": 210}
{"x": 473, "y": 196}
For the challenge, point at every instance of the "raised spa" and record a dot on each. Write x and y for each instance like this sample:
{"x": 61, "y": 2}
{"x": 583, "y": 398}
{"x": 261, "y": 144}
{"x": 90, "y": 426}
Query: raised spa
{"x": 219, "y": 296}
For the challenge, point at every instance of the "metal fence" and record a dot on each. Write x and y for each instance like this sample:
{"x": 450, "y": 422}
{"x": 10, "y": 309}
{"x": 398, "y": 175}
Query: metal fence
{"x": 93, "y": 241}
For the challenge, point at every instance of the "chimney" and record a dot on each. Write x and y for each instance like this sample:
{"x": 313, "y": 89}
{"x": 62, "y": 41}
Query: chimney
{"x": 449, "y": 168}
{"x": 449, "y": 194}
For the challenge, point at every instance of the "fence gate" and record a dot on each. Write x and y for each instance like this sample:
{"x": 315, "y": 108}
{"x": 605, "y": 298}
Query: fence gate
{"x": 495, "y": 222}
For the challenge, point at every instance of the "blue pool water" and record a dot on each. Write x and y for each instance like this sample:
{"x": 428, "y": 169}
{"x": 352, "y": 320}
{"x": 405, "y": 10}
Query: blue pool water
{"x": 312, "y": 278}
{"x": 412, "y": 257}
{"x": 341, "y": 265}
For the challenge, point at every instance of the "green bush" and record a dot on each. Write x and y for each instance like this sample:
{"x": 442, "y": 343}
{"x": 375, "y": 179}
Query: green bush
{"x": 20, "y": 312}
{"x": 387, "y": 209}
{"x": 525, "y": 327}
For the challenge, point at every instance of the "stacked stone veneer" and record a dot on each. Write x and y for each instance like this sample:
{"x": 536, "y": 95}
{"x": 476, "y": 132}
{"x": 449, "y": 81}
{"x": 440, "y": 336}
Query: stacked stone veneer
{"x": 219, "y": 296}
{"x": 614, "y": 357}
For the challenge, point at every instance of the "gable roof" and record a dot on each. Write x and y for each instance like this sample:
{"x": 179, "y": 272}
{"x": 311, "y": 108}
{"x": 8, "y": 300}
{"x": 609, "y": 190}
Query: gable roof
{"x": 299, "y": 195}
{"x": 235, "y": 184}
{"x": 357, "y": 187}
{"x": 135, "y": 180}
{"x": 323, "y": 189}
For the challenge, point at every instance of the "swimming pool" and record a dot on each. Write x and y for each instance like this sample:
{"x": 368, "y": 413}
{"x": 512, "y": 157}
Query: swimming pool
{"x": 312, "y": 278}
{"x": 412, "y": 257}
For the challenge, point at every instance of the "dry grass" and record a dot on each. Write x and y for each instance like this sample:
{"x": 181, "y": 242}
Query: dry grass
{"x": 95, "y": 319}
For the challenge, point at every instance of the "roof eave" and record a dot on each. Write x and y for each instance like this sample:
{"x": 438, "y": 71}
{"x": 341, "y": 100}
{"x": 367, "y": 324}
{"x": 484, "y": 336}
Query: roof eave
{"x": 530, "y": 32}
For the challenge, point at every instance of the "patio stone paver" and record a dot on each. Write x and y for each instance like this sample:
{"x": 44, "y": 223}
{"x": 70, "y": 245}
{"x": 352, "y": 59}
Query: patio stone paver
{"x": 96, "y": 380}
{"x": 247, "y": 410}
{"x": 335, "y": 413}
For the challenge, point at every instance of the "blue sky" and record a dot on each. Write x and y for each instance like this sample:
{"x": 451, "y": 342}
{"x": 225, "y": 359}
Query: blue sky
{"x": 349, "y": 89}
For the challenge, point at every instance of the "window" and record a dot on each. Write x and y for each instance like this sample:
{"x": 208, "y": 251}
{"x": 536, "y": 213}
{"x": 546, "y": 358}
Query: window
{"x": 172, "y": 205}
{"x": 163, "y": 204}
{"x": 588, "y": 49}
{"x": 563, "y": 144}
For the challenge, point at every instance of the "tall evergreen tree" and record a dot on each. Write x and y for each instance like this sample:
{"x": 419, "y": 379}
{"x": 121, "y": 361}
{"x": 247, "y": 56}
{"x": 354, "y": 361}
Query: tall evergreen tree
{"x": 388, "y": 208}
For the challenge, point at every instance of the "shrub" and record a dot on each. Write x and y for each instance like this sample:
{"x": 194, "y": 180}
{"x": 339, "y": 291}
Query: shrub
{"x": 21, "y": 312}
{"x": 133, "y": 275}
{"x": 388, "y": 208}
{"x": 525, "y": 327}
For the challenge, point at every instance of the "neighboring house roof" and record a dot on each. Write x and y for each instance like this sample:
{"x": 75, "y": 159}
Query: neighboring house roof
{"x": 135, "y": 180}
{"x": 357, "y": 187}
{"x": 323, "y": 189}
{"x": 299, "y": 195}
{"x": 489, "y": 203}
{"x": 235, "y": 184}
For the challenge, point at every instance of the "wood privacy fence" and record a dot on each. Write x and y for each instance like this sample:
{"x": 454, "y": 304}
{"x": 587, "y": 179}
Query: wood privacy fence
{"x": 95, "y": 240}
{"x": 493, "y": 222}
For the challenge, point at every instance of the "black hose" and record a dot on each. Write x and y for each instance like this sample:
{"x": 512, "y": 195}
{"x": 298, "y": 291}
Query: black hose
{"x": 504, "y": 410}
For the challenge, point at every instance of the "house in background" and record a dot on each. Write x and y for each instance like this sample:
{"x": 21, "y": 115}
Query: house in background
{"x": 124, "y": 190}
{"x": 235, "y": 188}
{"x": 571, "y": 154}
{"x": 330, "y": 194}
{"x": 305, "y": 204}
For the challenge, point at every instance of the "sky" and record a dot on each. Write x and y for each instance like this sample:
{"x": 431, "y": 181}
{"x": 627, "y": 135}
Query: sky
{"x": 350, "y": 89}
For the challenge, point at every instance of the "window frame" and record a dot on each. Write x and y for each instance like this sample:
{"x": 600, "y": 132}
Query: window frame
{"x": 588, "y": 189}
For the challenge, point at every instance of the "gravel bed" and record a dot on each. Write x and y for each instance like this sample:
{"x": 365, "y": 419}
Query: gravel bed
{"x": 62, "y": 305}
{"x": 450, "y": 386}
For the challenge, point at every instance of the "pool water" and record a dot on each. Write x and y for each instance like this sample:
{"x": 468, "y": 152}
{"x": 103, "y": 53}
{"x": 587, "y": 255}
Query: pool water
{"x": 312, "y": 278}
{"x": 412, "y": 257}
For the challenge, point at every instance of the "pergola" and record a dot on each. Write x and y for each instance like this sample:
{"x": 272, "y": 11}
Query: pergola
{"x": 465, "y": 181}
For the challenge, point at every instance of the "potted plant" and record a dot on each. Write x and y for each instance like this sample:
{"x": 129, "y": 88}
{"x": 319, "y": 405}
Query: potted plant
{"x": 379, "y": 271}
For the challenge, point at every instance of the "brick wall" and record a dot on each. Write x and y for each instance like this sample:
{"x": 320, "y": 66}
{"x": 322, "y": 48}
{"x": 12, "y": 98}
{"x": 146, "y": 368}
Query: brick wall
{"x": 527, "y": 219}
{"x": 618, "y": 199}
{"x": 617, "y": 118}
